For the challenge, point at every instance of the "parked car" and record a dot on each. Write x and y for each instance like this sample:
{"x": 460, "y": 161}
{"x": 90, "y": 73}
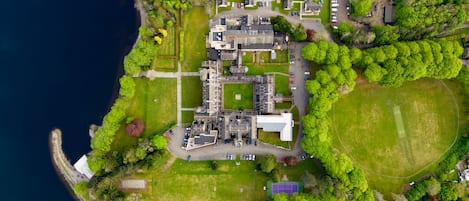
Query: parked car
{"x": 239, "y": 5}
{"x": 307, "y": 73}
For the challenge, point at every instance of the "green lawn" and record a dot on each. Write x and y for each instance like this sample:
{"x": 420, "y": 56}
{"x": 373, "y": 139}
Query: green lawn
{"x": 230, "y": 91}
{"x": 195, "y": 28}
{"x": 155, "y": 103}
{"x": 248, "y": 57}
{"x": 274, "y": 138}
{"x": 260, "y": 69}
{"x": 191, "y": 92}
{"x": 164, "y": 64}
{"x": 284, "y": 105}
{"x": 187, "y": 116}
{"x": 168, "y": 46}
{"x": 281, "y": 85}
{"x": 325, "y": 13}
{"x": 196, "y": 181}
{"x": 371, "y": 139}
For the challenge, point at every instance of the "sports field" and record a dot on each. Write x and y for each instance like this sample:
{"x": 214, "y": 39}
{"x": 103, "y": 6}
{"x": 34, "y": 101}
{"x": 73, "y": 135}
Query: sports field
{"x": 395, "y": 134}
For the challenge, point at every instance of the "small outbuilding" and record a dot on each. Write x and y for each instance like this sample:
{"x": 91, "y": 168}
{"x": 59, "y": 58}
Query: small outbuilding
{"x": 389, "y": 15}
{"x": 135, "y": 128}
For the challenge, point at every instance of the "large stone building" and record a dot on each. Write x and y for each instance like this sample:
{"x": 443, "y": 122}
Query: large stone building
{"x": 228, "y": 38}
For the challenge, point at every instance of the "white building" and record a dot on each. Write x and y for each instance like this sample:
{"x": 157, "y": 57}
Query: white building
{"x": 82, "y": 166}
{"x": 282, "y": 123}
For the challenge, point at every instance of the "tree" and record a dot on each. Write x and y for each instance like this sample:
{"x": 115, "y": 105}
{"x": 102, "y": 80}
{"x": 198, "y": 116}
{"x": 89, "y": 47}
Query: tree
{"x": 163, "y": 32}
{"x": 299, "y": 33}
{"x": 447, "y": 193}
{"x": 281, "y": 197}
{"x": 361, "y": 7}
{"x": 145, "y": 31}
{"x": 268, "y": 163}
{"x": 386, "y": 34}
{"x": 159, "y": 142}
{"x": 127, "y": 86}
{"x": 344, "y": 28}
{"x": 81, "y": 188}
{"x": 95, "y": 163}
{"x": 310, "y": 182}
{"x": 280, "y": 24}
{"x": 310, "y": 35}
{"x": 416, "y": 193}
{"x": 309, "y": 51}
{"x": 158, "y": 40}
{"x": 432, "y": 186}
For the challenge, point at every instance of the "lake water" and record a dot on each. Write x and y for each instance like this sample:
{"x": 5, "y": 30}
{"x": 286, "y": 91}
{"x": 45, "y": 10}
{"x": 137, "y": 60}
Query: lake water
{"x": 59, "y": 65}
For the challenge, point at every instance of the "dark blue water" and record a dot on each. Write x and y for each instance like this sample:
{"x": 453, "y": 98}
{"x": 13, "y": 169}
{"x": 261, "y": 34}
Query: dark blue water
{"x": 59, "y": 61}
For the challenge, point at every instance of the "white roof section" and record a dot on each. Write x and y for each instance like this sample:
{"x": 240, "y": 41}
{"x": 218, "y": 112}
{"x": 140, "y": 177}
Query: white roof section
{"x": 82, "y": 166}
{"x": 277, "y": 123}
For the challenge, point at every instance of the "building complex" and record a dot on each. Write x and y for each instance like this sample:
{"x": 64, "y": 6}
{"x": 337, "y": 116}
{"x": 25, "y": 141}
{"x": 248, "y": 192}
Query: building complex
{"x": 228, "y": 39}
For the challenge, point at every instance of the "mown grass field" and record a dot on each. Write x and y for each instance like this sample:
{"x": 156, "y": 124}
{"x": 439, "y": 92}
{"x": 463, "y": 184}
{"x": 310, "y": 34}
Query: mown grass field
{"x": 168, "y": 46}
{"x": 195, "y": 28}
{"x": 246, "y": 91}
{"x": 164, "y": 64}
{"x": 195, "y": 180}
{"x": 191, "y": 92}
{"x": 281, "y": 85}
{"x": 260, "y": 69}
{"x": 364, "y": 127}
{"x": 155, "y": 103}
{"x": 187, "y": 116}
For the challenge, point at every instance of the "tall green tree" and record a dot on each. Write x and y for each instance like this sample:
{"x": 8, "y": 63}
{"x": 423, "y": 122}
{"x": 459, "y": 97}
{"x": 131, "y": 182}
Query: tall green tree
{"x": 268, "y": 163}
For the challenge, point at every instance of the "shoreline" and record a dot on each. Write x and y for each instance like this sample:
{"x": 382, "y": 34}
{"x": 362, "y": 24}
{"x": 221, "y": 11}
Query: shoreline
{"x": 66, "y": 172}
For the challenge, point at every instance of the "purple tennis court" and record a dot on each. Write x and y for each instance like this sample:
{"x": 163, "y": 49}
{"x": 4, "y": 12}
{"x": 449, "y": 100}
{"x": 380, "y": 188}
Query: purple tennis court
{"x": 284, "y": 187}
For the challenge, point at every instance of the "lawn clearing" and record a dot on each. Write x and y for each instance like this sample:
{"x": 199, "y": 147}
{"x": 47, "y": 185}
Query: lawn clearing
{"x": 325, "y": 13}
{"x": 366, "y": 122}
{"x": 238, "y": 96}
{"x": 187, "y": 116}
{"x": 274, "y": 137}
{"x": 191, "y": 92}
{"x": 196, "y": 181}
{"x": 164, "y": 64}
{"x": 195, "y": 29}
{"x": 155, "y": 103}
{"x": 281, "y": 85}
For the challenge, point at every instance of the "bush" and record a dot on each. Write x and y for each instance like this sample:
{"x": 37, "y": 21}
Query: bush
{"x": 181, "y": 46}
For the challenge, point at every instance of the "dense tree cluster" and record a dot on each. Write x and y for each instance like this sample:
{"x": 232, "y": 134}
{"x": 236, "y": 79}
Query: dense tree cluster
{"x": 391, "y": 65}
{"x": 163, "y": 13}
{"x": 337, "y": 76}
{"x": 298, "y": 32}
{"x": 139, "y": 57}
{"x": 427, "y": 18}
{"x": 386, "y": 34}
{"x": 281, "y": 24}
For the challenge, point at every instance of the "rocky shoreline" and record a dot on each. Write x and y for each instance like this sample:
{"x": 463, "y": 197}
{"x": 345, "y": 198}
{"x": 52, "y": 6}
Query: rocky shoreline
{"x": 67, "y": 173}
